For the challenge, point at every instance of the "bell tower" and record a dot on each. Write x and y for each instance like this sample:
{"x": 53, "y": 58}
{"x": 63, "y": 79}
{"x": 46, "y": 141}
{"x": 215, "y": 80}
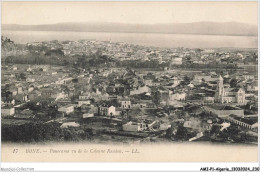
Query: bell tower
{"x": 219, "y": 92}
{"x": 220, "y": 85}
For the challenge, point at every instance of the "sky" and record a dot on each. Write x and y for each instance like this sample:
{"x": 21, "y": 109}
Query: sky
{"x": 34, "y": 13}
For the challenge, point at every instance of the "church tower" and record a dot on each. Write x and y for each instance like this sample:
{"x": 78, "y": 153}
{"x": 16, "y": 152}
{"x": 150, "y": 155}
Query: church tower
{"x": 220, "y": 87}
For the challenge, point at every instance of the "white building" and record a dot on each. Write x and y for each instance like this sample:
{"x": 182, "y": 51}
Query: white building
{"x": 58, "y": 96}
{"x": 243, "y": 123}
{"x": 125, "y": 103}
{"x": 198, "y": 79}
{"x": 66, "y": 109}
{"x": 29, "y": 69}
{"x": 249, "y": 77}
{"x": 209, "y": 99}
{"x": 69, "y": 124}
{"x": 7, "y": 111}
{"x": 107, "y": 111}
{"x": 64, "y": 81}
{"x": 83, "y": 102}
{"x": 14, "y": 68}
{"x": 130, "y": 126}
{"x": 30, "y": 80}
{"x": 178, "y": 96}
{"x": 88, "y": 115}
{"x": 176, "y": 61}
{"x": 140, "y": 90}
{"x": 83, "y": 97}
{"x": 30, "y": 89}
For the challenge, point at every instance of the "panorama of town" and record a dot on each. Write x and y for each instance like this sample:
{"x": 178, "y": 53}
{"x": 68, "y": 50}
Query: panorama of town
{"x": 103, "y": 91}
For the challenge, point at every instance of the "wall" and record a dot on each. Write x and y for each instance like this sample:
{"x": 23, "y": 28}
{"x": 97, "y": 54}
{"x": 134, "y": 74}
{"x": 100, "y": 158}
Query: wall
{"x": 127, "y": 127}
{"x": 8, "y": 112}
{"x": 225, "y": 113}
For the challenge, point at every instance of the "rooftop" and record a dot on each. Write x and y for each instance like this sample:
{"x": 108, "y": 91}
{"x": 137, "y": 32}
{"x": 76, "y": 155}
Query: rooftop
{"x": 66, "y": 106}
{"x": 245, "y": 120}
{"x": 222, "y": 107}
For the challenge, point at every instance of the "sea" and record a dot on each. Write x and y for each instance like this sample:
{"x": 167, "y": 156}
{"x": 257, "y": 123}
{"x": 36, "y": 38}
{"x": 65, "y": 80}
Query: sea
{"x": 144, "y": 39}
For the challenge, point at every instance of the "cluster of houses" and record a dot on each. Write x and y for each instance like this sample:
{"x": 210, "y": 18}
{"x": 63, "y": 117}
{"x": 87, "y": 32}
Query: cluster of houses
{"x": 116, "y": 91}
{"x": 52, "y": 92}
{"x": 173, "y": 56}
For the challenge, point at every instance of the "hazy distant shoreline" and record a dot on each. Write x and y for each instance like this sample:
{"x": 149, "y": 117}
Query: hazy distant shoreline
{"x": 144, "y": 39}
{"x": 131, "y": 32}
{"x": 197, "y": 28}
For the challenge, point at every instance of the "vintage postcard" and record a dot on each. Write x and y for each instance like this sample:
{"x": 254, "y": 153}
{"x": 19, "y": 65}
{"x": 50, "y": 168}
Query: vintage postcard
{"x": 129, "y": 81}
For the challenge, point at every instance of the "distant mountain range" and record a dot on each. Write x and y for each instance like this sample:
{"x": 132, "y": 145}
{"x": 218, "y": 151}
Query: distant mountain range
{"x": 202, "y": 28}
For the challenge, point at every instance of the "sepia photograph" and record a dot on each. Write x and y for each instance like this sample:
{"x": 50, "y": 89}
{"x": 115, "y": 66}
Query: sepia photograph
{"x": 129, "y": 81}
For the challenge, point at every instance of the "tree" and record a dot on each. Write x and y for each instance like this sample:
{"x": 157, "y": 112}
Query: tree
{"x": 169, "y": 133}
{"x": 157, "y": 98}
{"x": 75, "y": 80}
{"x": 23, "y": 76}
{"x": 233, "y": 83}
{"x": 122, "y": 113}
{"x": 182, "y": 133}
{"x": 186, "y": 79}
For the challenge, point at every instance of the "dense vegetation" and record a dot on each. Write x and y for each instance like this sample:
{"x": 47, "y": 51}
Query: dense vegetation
{"x": 38, "y": 132}
{"x": 209, "y": 66}
{"x": 141, "y": 64}
{"x": 92, "y": 60}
